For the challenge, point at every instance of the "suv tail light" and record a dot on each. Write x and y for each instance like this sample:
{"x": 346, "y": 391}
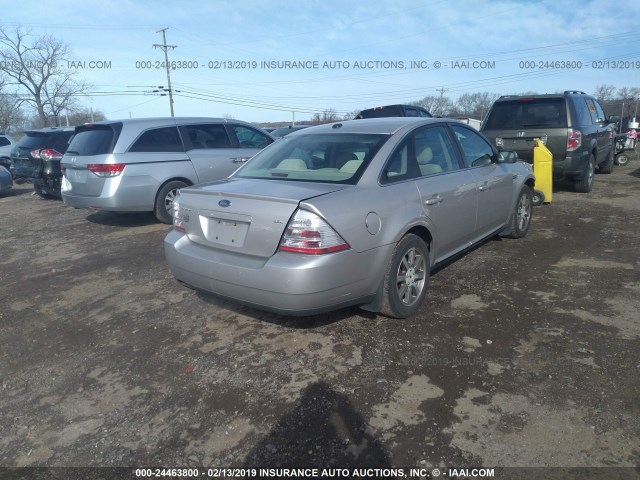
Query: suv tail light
{"x": 574, "y": 139}
{"x": 50, "y": 154}
{"x": 35, "y": 153}
{"x": 106, "y": 169}
{"x": 309, "y": 234}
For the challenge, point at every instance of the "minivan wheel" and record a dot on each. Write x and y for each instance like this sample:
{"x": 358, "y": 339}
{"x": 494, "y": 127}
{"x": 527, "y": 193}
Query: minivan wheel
{"x": 164, "y": 200}
{"x": 406, "y": 278}
{"x": 585, "y": 182}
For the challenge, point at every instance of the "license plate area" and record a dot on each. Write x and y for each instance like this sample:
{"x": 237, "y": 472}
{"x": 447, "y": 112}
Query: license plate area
{"x": 225, "y": 229}
{"x": 75, "y": 175}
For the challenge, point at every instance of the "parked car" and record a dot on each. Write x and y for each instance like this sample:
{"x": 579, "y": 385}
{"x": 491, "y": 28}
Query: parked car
{"x": 36, "y": 158}
{"x": 282, "y": 131}
{"x": 394, "y": 111}
{"x": 139, "y": 164}
{"x": 6, "y": 145}
{"x": 572, "y": 125}
{"x": 349, "y": 213}
{"x": 6, "y": 180}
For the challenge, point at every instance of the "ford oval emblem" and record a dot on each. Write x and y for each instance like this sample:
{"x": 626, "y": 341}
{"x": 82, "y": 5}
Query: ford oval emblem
{"x": 224, "y": 203}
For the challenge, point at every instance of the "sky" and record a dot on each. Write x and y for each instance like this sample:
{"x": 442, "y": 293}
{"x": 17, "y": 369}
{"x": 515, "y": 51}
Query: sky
{"x": 262, "y": 60}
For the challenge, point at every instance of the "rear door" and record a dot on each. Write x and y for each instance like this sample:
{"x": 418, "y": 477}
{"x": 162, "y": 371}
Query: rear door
{"x": 604, "y": 133}
{"x": 447, "y": 192}
{"x": 494, "y": 181}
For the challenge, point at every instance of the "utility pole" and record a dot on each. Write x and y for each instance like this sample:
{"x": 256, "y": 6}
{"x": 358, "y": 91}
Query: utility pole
{"x": 441, "y": 90}
{"x": 165, "y": 47}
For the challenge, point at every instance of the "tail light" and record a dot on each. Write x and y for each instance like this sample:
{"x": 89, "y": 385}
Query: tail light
{"x": 50, "y": 154}
{"x": 35, "y": 153}
{"x": 178, "y": 220}
{"x": 106, "y": 169}
{"x": 574, "y": 140}
{"x": 309, "y": 234}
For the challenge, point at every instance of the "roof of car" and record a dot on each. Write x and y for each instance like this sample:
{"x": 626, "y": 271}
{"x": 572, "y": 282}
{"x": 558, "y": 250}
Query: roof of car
{"x": 384, "y": 125}
{"x": 151, "y": 121}
{"x": 543, "y": 95}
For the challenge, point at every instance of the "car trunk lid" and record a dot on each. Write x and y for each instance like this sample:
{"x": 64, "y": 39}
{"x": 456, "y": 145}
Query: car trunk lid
{"x": 246, "y": 216}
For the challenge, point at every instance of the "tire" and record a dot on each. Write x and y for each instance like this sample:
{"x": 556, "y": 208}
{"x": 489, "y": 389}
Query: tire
{"x": 607, "y": 167}
{"x": 522, "y": 213}
{"x": 537, "y": 198}
{"x": 622, "y": 159}
{"x": 584, "y": 184}
{"x": 406, "y": 278}
{"x": 163, "y": 209}
{"x": 41, "y": 191}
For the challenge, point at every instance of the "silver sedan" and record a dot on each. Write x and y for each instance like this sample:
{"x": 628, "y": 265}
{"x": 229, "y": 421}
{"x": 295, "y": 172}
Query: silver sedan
{"x": 350, "y": 213}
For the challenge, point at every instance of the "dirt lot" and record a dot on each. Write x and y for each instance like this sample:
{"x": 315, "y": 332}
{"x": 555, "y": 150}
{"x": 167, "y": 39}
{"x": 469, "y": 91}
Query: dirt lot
{"x": 525, "y": 353}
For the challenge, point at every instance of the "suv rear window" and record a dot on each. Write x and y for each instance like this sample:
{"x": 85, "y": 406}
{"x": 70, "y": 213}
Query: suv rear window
{"x": 527, "y": 113}
{"x": 57, "y": 140}
{"x": 94, "y": 139}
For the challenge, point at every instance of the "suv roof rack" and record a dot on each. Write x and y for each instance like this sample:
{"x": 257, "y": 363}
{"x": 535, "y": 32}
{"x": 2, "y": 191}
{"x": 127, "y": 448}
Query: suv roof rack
{"x": 570, "y": 92}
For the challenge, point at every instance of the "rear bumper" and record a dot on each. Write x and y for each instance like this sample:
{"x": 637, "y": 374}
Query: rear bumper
{"x": 285, "y": 283}
{"x": 574, "y": 164}
{"x": 119, "y": 194}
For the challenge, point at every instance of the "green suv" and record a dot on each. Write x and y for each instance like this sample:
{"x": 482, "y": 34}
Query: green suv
{"x": 572, "y": 125}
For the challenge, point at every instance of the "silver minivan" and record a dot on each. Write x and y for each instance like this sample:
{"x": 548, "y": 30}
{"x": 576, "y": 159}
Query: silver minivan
{"x": 139, "y": 164}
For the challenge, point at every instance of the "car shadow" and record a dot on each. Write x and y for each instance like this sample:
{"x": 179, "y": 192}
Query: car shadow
{"x": 635, "y": 173}
{"x": 306, "y": 322}
{"x": 17, "y": 190}
{"x": 123, "y": 219}
{"x": 334, "y": 433}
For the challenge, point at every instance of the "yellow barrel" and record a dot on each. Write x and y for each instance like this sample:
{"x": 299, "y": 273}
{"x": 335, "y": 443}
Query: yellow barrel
{"x": 543, "y": 170}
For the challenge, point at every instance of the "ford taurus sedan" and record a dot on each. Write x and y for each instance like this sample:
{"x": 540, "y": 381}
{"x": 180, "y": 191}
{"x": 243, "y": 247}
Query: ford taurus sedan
{"x": 350, "y": 213}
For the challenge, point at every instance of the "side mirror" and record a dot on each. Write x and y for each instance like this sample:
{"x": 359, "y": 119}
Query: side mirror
{"x": 613, "y": 119}
{"x": 507, "y": 156}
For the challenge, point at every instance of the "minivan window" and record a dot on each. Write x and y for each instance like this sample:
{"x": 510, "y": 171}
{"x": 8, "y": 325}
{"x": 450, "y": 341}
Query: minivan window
{"x": 527, "y": 113}
{"x": 4, "y": 142}
{"x": 93, "y": 140}
{"x": 250, "y": 138}
{"x": 205, "y": 136}
{"x": 164, "y": 139}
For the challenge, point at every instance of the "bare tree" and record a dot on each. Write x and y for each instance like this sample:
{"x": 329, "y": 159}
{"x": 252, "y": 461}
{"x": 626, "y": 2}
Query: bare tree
{"x": 436, "y": 105}
{"x": 327, "y": 116}
{"x": 604, "y": 93}
{"x": 36, "y": 67}
{"x": 84, "y": 115}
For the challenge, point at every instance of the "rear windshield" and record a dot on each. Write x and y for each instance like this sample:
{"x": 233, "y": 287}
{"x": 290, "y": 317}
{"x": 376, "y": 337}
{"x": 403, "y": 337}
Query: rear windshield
{"x": 325, "y": 158}
{"x": 527, "y": 113}
{"x": 34, "y": 140}
{"x": 94, "y": 139}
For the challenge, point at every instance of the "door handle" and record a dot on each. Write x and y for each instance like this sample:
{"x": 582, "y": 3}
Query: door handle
{"x": 239, "y": 159}
{"x": 435, "y": 200}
